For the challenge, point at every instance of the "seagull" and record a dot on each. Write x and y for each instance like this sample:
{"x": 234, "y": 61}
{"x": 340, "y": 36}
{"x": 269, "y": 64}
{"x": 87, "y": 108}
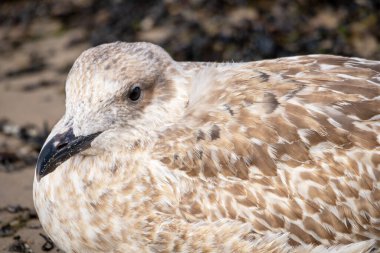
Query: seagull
{"x": 155, "y": 155}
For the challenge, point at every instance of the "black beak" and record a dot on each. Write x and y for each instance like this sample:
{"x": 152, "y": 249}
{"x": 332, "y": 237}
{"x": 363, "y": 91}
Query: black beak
{"x": 60, "y": 148}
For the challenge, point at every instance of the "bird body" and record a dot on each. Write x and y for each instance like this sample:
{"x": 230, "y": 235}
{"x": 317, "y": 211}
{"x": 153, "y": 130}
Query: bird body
{"x": 270, "y": 156}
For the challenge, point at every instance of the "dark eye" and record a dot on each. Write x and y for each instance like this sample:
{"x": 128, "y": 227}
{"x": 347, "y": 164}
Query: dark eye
{"x": 135, "y": 93}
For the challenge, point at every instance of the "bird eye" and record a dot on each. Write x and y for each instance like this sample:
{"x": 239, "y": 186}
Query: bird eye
{"x": 135, "y": 93}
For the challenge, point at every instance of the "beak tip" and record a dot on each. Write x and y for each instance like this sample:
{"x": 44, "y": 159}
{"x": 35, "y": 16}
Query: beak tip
{"x": 42, "y": 162}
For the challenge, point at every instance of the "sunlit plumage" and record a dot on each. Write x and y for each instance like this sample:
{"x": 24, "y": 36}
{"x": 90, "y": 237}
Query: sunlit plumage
{"x": 275, "y": 156}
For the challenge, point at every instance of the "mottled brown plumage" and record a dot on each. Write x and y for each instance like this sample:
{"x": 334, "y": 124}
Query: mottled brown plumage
{"x": 270, "y": 156}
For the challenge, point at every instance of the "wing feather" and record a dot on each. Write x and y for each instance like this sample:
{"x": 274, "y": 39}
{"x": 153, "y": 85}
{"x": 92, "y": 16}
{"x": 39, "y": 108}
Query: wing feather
{"x": 292, "y": 142}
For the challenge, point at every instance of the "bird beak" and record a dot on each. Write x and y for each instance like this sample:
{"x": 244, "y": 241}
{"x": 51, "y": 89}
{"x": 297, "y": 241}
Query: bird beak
{"x": 60, "y": 148}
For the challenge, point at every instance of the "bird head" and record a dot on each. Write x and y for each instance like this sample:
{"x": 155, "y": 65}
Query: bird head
{"x": 119, "y": 87}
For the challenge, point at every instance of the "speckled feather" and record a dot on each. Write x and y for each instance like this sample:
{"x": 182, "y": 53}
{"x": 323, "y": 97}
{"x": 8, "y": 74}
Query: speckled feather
{"x": 270, "y": 156}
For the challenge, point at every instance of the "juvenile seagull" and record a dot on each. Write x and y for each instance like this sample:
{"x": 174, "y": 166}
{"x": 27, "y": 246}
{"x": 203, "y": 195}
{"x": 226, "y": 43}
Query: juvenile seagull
{"x": 154, "y": 155}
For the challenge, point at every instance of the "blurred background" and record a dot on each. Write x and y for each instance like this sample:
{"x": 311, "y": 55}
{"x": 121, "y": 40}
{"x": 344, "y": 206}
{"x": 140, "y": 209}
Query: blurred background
{"x": 39, "y": 41}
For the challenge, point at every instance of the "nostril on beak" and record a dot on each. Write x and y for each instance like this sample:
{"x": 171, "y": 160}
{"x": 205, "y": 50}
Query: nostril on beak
{"x": 62, "y": 141}
{"x": 61, "y": 145}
